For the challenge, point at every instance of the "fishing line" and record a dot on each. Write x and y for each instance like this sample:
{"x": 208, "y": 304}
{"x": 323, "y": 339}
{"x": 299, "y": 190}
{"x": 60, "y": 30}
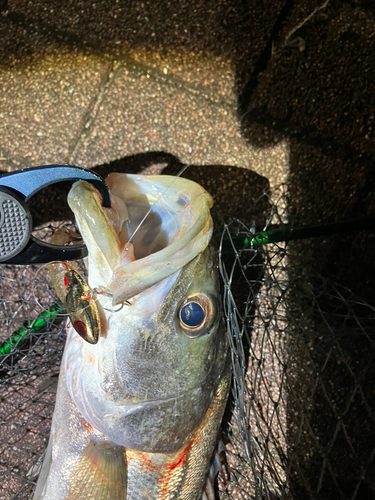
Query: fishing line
{"x": 157, "y": 200}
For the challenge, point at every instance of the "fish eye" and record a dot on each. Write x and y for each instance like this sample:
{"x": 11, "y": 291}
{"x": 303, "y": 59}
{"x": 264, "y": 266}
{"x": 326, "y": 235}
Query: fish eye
{"x": 192, "y": 315}
{"x": 196, "y": 314}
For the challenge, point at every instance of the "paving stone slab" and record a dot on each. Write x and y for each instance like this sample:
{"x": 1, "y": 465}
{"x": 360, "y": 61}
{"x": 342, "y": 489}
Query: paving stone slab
{"x": 174, "y": 32}
{"x": 208, "y": 76}
{"x": 226, "y": 27}
{"x": 43, "y": 106}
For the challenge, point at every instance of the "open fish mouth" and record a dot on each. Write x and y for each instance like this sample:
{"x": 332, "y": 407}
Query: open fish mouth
{"x": 148, "y": 234}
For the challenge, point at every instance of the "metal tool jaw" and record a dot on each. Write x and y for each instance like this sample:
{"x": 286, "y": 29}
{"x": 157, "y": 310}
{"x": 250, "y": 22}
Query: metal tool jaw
{"x": 17, "y": 244}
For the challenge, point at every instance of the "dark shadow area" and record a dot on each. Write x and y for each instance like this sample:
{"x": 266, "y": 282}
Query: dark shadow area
{"x": 222, "y": 28}
{"x": 322, "y": 100}
{"x": 331, "y": 434}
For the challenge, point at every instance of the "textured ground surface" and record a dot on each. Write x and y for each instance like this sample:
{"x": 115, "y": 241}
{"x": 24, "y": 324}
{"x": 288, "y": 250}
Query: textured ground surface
{"x": 283, "y": 87}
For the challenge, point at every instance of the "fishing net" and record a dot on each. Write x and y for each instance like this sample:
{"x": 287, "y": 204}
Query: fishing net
{"x": 32, "y": 337}
{"x": 302, "y": 404}
{"x": 303, "y": 361}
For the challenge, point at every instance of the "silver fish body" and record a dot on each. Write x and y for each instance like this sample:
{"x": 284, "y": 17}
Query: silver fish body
{"x": 137, "y": 413}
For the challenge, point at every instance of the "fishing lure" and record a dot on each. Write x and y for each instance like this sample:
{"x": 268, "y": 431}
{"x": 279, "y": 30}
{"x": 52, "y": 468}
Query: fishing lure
{"x": 74, "y": 292}
{"x": 80, "y": 305}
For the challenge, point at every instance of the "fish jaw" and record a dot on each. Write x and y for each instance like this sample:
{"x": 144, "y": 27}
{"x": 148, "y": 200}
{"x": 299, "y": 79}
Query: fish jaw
{"x": 98, "y": 234}
{"x": 178, "y": 208}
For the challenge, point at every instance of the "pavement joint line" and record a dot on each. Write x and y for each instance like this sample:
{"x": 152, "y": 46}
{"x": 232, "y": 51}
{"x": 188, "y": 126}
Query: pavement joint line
{"x": 174, "y": 82}
{"x": 302, "y": 23}
{"x": 94, "y": 109}
{"x": 134, "y": 67}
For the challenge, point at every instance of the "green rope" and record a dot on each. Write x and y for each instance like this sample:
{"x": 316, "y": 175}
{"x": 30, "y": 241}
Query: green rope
{"x": 32, "y": 326}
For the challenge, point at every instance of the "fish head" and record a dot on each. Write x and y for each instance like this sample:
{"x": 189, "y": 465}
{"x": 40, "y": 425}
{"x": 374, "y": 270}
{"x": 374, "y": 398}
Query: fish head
{"x": 161, "y": 353}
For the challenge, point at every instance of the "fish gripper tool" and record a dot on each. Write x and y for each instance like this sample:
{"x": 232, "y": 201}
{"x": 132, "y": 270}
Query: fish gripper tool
{"x": 17, "y": 244}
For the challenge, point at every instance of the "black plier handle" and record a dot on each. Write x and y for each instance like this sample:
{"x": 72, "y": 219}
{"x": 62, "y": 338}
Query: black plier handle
{"x": 17, "y": 245}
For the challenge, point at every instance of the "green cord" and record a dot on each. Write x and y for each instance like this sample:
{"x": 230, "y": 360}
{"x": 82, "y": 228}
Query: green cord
{"x": 35, "y": 325}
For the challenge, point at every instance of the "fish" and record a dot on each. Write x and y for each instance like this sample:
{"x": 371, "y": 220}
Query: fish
{"x": 140, "y": 402}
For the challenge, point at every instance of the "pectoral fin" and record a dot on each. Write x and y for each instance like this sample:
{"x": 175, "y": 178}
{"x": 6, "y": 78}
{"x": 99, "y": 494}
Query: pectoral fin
{"x": 100, "y": 474}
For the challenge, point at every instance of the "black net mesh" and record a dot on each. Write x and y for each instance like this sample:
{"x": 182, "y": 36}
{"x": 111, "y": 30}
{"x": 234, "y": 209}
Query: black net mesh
{"x": 28, "y": 379}
{"x": 302, "y": 354}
